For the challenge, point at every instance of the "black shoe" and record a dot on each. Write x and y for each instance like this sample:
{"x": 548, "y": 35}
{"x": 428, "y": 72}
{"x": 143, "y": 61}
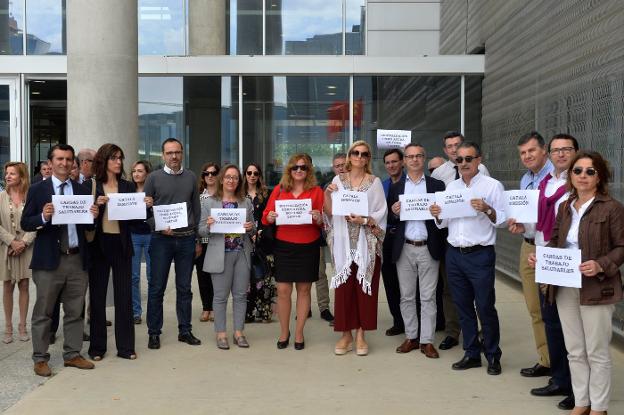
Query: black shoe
{"x": 550, "y": 390}
{"x": 466, "y": 363}
{"x": 283, "y": 344}
{"x": 535, "y": 371}
{"x": 494, "y": 367}
{"x": 567, "y": 404}
{"x": 448, "y": 343}
{"x": 137, "y": 320}
{"x": 154, "y": 341}
{"x": 86, "y": 337}
{"x": 327, "y": 316}
{"x": 394, "y": 331}
{"x": 299, "y": 346}
{"x": 188, "y": 338}
{"x": 52, "y": 338}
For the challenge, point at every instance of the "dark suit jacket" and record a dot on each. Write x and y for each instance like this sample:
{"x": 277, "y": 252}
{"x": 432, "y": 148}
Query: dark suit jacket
{"x": 47, "y": 247}
{"x": 124, "y": 186}
{"x": 435, "y": 237}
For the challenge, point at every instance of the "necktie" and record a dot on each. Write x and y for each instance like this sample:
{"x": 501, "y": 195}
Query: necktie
{"x": 64, "y": 231}
{"x": 456, "y": 172}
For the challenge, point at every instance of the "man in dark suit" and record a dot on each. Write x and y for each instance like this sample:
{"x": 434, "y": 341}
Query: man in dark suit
{"x": 59, "y": 263}
{"x": 417, "y": 249}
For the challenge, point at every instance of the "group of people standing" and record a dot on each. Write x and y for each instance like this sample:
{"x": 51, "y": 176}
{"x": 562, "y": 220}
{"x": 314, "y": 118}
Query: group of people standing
{"x": 438, "y": 273}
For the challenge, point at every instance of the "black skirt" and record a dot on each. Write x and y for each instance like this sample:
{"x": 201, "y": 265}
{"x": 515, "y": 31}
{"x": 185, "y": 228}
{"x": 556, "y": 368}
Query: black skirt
{"x": 296, "y": 262}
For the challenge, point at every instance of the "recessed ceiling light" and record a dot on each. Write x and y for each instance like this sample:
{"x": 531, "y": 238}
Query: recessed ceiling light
{"x": 36, "y": 93}
{"x": 331, "y": 86}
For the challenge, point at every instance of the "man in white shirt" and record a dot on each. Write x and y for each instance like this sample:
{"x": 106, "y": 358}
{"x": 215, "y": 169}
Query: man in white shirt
{"x": 471, "y": 258}
{"x": 562, "y": 149}
{"x": 85, "y": 163}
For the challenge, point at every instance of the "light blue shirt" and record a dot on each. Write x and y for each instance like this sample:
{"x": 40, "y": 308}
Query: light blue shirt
{"x": 69, "y": 190}
{"x": 530, "y": 180}
{"x": 415, "y": 230}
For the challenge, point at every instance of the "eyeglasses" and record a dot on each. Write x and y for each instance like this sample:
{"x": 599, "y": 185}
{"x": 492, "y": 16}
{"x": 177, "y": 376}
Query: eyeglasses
{"x": 230, "y": 178}
{"x": 414, "y": 156}
{"x": 252, "y": 173}
{"x": 590, "y": 171}
{"x": 298, "y": 167}
{"x": 89, "y": 160}
{"x": 562, "y": 150}
{"x": 363, "y": 154}
{"x": 460, "y": 159}
{"x": 212, "y": 173}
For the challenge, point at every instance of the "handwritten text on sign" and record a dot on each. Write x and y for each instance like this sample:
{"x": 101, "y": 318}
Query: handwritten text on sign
{"x": 347, "y": 202}
{"x": 126, "y": 206}
{"x": 70, "y": 209}
{"x": 172, "y": 216}
{"x": 455, "y": 204}
{"x": 393, "y": 138}
{"x": 521, "y": 205}
{"x": 416, "y": 207}
{"x": 558, "y": 266}
{"x": 228, "y": 220}
{"x": 293, "y": 212}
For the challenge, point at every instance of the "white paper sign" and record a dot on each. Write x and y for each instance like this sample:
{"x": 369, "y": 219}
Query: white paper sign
{"x": 293, "y": 212}
{"x": 70, "y": 209}
{"x": 558, "y": 266}
{"x": 228, "y": 220}
{"x": 126, "y": 206}
{"x": 455, "y": 204}
{"x": 393, "y": 138}
{"x": 172, "y": 216}
{"x": 346, "y": 202}
{"x": 521, "y": 205}
{"x": 416, "y": 207}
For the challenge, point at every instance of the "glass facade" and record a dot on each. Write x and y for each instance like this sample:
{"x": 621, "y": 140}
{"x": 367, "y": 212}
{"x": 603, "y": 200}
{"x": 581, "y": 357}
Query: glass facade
{"x": 162, "y": 27}
{"x": 5, "y": 125}
{"x": 11, "y": 27}
{"x": 45, "y": 26}
{"x": 245, "y": 27}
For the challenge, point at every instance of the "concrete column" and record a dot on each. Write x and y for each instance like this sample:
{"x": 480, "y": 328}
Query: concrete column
{"x": 102, "y": 75}
{"x": 207, "y": 27}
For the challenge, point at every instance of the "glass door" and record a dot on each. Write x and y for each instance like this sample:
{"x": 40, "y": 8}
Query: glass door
{"x": 10, "y": 148}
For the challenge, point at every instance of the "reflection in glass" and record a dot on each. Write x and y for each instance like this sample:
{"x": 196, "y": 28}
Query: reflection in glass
{"x": 428, "y": 106}
{"x": 355, "y": 22}
{"x": 5, "y": 125}
{"x": 162, "y": 27}
{"x": 160, "y": 115}
{"x": 245, "y": 33}
{"x": 304, "y": 27}
{"x": 287, "y": 115}
{"x": 45, "y": 23}
{"x": 11, "y": 27}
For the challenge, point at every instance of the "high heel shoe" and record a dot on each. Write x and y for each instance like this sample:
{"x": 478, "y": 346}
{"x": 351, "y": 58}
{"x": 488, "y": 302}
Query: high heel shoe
{"x": 8, "y": 335}
{"x": 299, "y": 346}
{"x": 339, "y": 351}
{"x": 23, "y": 334}
{"x": 361, "y": 349}
{"x": 283, "y": 344}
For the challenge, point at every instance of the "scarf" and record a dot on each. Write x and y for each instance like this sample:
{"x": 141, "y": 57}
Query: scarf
{"x": 546, "y": 214}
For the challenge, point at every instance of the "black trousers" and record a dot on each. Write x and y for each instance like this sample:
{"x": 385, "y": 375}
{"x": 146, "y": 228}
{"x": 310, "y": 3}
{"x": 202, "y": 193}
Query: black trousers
{"x": 121, "y": 264}
{"x": 204, "y": 281}
{"x": 559, "y": 365}
{"x": 391, "y": 283}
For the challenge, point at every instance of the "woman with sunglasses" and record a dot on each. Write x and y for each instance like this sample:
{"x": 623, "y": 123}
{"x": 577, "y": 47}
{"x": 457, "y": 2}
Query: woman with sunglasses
{"x": 261, "y": 287}
{"x": 297, "y": 247}
{"x": 207, "y": 187}
{"x": 141, "y": 235}
{"x": 228, "y": 256}
{"x": 356, "y": 245}
{"x": 592, "y": 221}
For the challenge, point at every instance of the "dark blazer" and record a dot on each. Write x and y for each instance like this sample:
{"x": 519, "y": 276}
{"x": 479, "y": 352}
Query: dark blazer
{"x": 124, "y": 186}
{"x": 47, "y": 248}
{"x": 435, "y": 237}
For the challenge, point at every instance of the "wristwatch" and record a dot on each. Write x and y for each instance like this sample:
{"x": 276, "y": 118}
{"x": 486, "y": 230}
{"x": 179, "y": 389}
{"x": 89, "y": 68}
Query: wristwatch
{"x": 488, "y": 212}
{"x": 365, "y": 221}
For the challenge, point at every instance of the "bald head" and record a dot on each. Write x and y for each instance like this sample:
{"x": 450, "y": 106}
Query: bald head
{"x": 85, "y": 158}
{"x": 434, "y": 163}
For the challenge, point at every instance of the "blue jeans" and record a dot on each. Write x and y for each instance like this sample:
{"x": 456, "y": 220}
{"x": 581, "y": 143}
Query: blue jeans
{"x": 141, "y": 244}
{"x": 164, "y": 249}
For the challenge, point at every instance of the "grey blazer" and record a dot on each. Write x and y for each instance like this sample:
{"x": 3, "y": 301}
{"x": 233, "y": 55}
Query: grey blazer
{"x": 215, "y": 251}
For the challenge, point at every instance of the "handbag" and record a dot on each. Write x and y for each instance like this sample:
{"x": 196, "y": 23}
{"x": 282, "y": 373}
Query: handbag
{"x": 265, "y": 240}
{"x": 90, "y": 235}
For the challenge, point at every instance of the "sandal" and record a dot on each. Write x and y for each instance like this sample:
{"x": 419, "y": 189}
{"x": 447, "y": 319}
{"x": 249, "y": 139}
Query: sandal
{"x": 23, "y": 334}
{"x": 8, "y": 335}
{"x": 205, "y": 316}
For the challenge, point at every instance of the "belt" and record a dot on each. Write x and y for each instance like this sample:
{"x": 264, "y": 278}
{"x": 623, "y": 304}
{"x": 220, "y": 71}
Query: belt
{"x": 71, "y": 251}
{"x": 182, "y": 234}
{"x": 530, "y": 241}
{"x": 416, "y": 243}
{"x": 470, "y": 249}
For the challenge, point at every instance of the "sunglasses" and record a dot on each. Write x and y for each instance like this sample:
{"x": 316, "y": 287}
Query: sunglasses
{"x": 363, "y": 154}
{"x": 297, "y": 167}
{"x": 590, "y": 171}
{"x": 210, "y": 173}
{"x": 460, "y": 159}
{"x": 252, "y": 173}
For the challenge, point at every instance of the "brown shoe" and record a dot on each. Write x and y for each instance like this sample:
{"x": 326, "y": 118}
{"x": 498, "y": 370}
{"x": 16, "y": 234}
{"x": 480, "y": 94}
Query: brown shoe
{"x": 407, "y": 346}
{"x": 79, "y": 362}
{"x": 42, "y": 369}
{"x": 429, "y": 351}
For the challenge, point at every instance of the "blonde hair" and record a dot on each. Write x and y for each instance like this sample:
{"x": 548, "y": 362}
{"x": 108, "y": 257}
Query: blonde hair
{"x": 22, "y": 172}
{"x": 287, "y": 181}
{"x": 358, "y": 143}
